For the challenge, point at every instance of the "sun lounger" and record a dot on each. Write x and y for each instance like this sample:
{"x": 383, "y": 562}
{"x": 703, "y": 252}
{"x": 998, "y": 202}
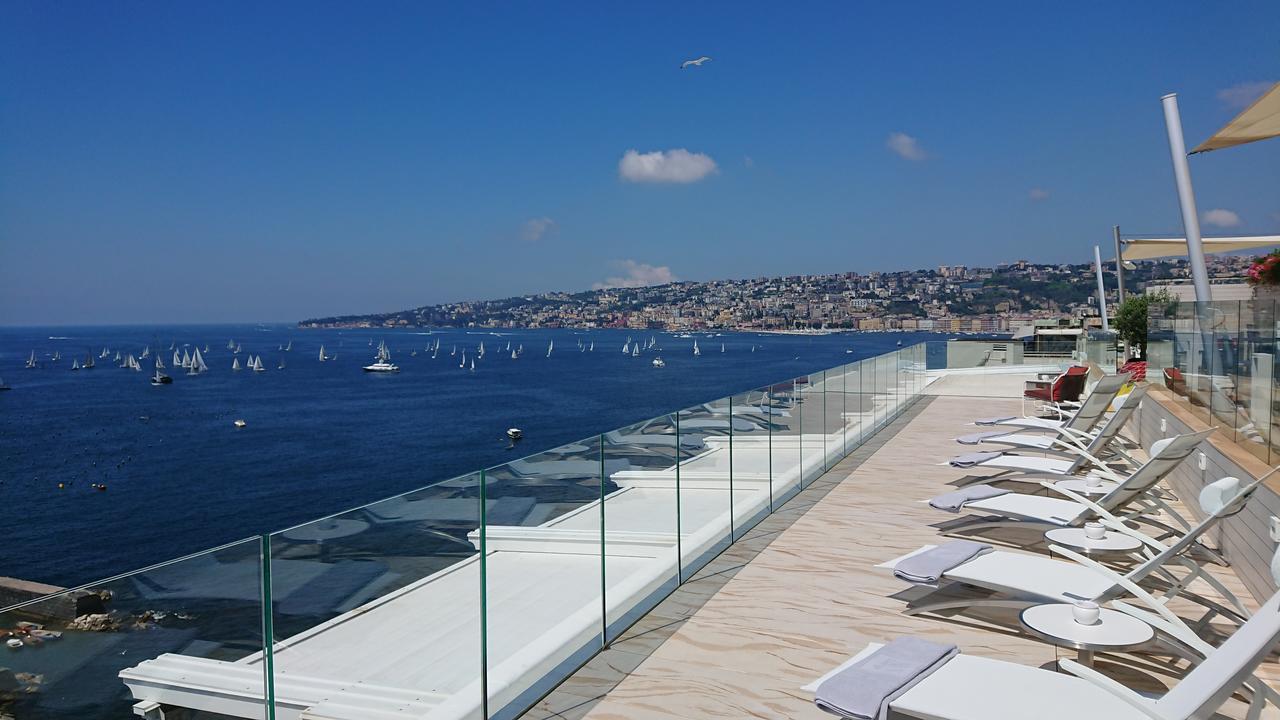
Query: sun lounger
{"x": 973, "y": 688}
{"x": 1067, "y": 443}
{"x": 1091, "y": 411}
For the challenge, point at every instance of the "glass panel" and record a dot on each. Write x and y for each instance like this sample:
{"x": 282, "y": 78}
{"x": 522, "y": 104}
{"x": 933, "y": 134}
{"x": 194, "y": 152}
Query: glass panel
{"x": 706, "y": 521}
{"x": 96, "y": 651}
{"x": 813, "y": 439}
{"x": 545, "y": 578}
{"x": 785, "y": 442}
{"x": 642, "y": 545}
{"x": 752, "y": 417}
{"x": 388, "y": 594}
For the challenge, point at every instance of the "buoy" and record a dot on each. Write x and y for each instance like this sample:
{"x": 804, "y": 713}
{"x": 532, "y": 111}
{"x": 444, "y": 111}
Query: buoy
{"x": 515, "y": 433}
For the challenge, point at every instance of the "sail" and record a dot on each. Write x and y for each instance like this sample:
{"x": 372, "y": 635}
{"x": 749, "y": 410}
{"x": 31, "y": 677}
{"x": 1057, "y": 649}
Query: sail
{"x": 626, "y": 348}
{"x": 235, "y": 364}
{"x": 197, "y": 362}
{"x": 258, "y": 365}
{"x": 231, "y": 344}
{"x": 177, "y": 361}
{"x": 550, "y": 347}
{"x": 321, "y": 353}
{"x": 288, "y": 347}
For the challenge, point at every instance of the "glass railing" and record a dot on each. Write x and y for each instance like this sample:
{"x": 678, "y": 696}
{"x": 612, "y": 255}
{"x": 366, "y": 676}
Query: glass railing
{"x": 1218, "y": 358}
{"x": 470, "y": 598}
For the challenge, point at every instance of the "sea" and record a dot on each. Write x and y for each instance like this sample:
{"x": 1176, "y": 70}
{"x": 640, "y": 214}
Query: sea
{"x": 102, "y": 473}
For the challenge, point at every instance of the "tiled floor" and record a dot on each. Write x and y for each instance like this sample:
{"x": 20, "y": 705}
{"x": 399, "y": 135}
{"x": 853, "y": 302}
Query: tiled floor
{"x": 800, "y": 593}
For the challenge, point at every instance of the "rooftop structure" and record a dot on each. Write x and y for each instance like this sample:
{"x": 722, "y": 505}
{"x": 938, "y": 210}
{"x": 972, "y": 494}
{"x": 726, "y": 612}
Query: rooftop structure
{"x": 713, "y": 561}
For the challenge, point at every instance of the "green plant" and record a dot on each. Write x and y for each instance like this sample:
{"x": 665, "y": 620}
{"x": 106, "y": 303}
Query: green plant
{"x": 1131, "y": 318}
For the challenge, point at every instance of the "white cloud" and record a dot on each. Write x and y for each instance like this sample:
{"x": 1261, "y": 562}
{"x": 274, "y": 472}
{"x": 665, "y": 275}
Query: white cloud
{"x": 1038, "y": 194}
{"x": 637, "y": 274}
{"x": 669, "y": 166}
{"x": 1242, "y": 95}
{"x": 905, "y": 146}
{"x": 1220, "y": 218}
{"x": 534, "y": 229}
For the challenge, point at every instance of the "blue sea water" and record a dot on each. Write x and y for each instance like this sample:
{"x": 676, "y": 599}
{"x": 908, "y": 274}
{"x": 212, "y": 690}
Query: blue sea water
{"x": 320, "y": 437}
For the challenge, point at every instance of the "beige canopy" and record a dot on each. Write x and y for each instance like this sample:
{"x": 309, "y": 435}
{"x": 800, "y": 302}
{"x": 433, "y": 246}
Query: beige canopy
{"x": 1148, "y": 248}
{"x": 1259, "y": 121}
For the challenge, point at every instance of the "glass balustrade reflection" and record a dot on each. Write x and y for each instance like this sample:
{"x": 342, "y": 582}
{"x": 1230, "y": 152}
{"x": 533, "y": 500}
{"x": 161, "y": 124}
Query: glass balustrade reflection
{"x": 706, "y": 477}
{"x": 752, "y": 425}
{"x": 187, "y": 632}
{"x": 546, "y": 582}
{"x": 386, "y": 595}
{"x": 785, "y": 441}
{"x": 641, "y": 517}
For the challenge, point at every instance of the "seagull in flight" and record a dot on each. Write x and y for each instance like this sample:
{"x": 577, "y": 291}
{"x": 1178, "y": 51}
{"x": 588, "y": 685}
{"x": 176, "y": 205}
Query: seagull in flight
{"x": 694, "y": 63}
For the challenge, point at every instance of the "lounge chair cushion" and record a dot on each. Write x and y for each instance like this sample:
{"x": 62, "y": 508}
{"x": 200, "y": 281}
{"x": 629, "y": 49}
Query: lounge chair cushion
{"x": 1052, "y": 510}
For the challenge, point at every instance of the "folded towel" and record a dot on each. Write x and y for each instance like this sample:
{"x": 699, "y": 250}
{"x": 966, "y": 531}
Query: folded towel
{"x": 865, "y": 689}
{"x": 976, "y": 438}
{"x": 971, "y": 459}
{"x": 994, "y": 420}
{"x": 953, "y": 501}
{"x": 929, "y": 566}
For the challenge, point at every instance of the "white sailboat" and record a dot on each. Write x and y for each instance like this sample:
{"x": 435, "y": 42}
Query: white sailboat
{"x": 159, "y": 362}
{"x": 177, "y": 361}
{"x": 721, "y": 347}
{"x": 133, "y": 364}
{"x": 75, "y": 363}
{"x": 382, "y": 362}
{"x": 238, "y": 349}
{"x": 513, "y": 355}
{"x": 186, "y": 361}
{"x": 231, "y": 344}
{"x": 146, "y": 353}
{"x": 57, "y": 355}
{"x": 463, "y": 364}
{"x": 206, "y": 348}
{"x": 593, "y": 346}
{"x": 31, "y": 361}
{"x": 117, "y": 356}
{"x": 453, "y": 351}
{"x": 322, "y": 355}
{"x": 696, "y": 351}
{"x": 288, "y": 346}
{"x": 197, "y": 362}
{"x": 480, "y": 352}
{"x": 473, "y": 365}
{"x": 551, "y": 346}
{"x": 626, "y": 348}
{"x": 257, "y": 364}
{"x": 635, "y": 351}
{"x": 281, "y": 365}
{"x": 235, "y": 364}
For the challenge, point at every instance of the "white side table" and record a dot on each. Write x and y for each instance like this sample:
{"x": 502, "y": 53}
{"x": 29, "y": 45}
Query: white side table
{"x": 1114, "y": 543}
{"x": 1081, "y": 487}
{"x": 1114, "y": 631}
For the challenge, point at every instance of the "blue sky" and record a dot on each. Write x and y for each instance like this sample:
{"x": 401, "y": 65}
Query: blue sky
{"x": 181, "y": 162}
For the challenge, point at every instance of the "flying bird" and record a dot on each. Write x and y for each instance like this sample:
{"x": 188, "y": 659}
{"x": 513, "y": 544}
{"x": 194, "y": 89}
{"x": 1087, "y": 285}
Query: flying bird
{"x": 695, "y": 63}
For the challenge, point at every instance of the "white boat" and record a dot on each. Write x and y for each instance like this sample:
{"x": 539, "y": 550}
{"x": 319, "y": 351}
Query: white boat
{"x": 480, "y": 352}
{"x": 160, "y": 378}
{"x": 133, "y": 364}
{"x": 75, "y": 364}
{"x": 281, "y": 365}
{"x": 159, "y": 362}
{"x": 382, "y": 362}
{"x": 239, "y": 423}
{"x": 322, "y": 355}
{"x": 463, "y": 364}
{"x": 626, "y": 348}
{"x": 257, "y": 364}
{"x": 146, "y": 353}
{"x": 57, "y": 355}
{"x": 696, "y": 351}
{"x": 514, "y": 355}
{"x": 235, "y": 364}
{"x": 197, "y": 363}
{"x": 721, "y": 347}
{"x": 289, "y": 346}
{"x": 206, "y": 348}
{"x": 593, "y": 346}
{"x": 473, "y": 364}
{"x": 238, "y": 349}
{"x": 635, "y": 351}
{"x": 31, "y": 361}
{"x": 231, "y": 344}
{"x": 453, "y": 351}
{"x": 177, "y": 361}
{"x": 186, "y": 361}
{"x": 658, "y": 363}
{"x": 550, "y": 346}
{"x": 117, "y": 356}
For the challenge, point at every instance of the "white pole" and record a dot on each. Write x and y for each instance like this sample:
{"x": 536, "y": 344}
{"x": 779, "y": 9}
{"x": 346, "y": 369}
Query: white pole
{"x": 1186, "y": 198}
{"x": 1102, "y": 289}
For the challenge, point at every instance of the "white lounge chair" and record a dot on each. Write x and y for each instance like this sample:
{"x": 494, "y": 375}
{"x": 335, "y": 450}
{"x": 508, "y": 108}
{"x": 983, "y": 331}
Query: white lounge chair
{"x": 974, "y": 688}
{"x": 1027, "y": 577}
{"x": 1074, "y": 510}
{"x": 1091, "y": 411}
{"x": 1067, "y": 443}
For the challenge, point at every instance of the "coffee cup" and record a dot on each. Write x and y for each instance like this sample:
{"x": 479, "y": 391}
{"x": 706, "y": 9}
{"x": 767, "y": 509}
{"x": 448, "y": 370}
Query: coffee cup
{"x": 1095, "y": 530}
{"x": 1086, "y": 612}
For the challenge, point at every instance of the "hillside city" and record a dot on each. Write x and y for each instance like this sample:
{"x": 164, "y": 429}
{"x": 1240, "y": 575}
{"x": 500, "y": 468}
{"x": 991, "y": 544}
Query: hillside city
{"x": 946, "y": 299}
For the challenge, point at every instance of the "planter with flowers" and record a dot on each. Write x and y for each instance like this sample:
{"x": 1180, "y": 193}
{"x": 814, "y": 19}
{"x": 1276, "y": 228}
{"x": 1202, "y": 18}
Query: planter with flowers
{"x": 1264, "y": 276}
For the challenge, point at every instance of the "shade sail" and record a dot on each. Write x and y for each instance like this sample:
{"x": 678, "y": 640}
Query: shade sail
{"x": 1149, "y": 248}
{"x": 1259, "y": 121}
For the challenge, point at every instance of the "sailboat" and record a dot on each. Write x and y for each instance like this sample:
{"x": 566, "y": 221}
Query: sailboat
{"x": 197, "y": 363}
{"x": 288, "y": 346}
{"x": 551, "y": 347}
{"x": 322, "y": 355}
{"x": 436, "y": 351}
{"x": 105, "y": 354}
{"x": 133, "y": 364}
{"x": 635, "y": 351}
{"x": 2, "y": 385}
{"x": 88, "y": 362}
{"x": 57, "y": 355}
{"x": 31, "y": 361}
{"x": 626, "y": 348}
{"x": 281, "y": 365}
{"x": 159, "y": 378}
{"x": 231, "y": 344}
{"x": 257, "y": 364}
{"x": 186, "y": 361}
{"x": 177, "y": 361}
{"x": 159, "y": 362}
{"x": 473, "y": 365}
{"x": 463, "y": 364}
{"x": 146, "y": 353}
{"x": 206, "y": 348}
{"x": 382, "y": 362}
{"x": 514, "y": 355}
{"x": 238, "y": 348}
{"x": 75, "y": 364}
{"x": 593, "y": 346}
{"x": 235, "y": 364}
{"x": 696, "y": 351}
{"x": 721, "y": 347}
{"x": 480, "y": 352}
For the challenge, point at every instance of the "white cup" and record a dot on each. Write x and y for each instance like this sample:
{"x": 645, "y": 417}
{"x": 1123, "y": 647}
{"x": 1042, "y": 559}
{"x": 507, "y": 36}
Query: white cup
{"x": 1086, "y": 612}
{"x": 1095, "y": 530}
{"x": 1093, "y": 481}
